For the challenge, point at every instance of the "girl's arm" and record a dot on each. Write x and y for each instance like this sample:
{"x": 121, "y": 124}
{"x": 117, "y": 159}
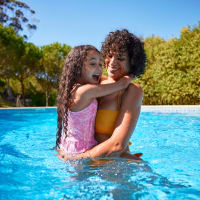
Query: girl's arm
{"x": 91, "y": 91}
{"x": 125, "y": 125}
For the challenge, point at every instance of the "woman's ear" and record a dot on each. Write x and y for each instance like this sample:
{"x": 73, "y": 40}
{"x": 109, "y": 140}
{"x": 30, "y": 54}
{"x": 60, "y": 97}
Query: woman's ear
{"x": 107, "y": 60}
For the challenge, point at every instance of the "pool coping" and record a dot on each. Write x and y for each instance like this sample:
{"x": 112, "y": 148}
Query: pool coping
{"x": 171, "y": 108}
{"x": 144, "y": 108}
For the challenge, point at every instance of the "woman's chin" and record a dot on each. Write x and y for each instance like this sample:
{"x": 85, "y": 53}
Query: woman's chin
{"x": 114, "y": 76}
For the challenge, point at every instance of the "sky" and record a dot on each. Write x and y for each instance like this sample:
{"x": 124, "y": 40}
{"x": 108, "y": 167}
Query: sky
{"x": 77, "y": 22}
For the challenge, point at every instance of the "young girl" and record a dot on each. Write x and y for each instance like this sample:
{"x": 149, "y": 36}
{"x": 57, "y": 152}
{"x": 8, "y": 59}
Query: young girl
{"x": 77, "y": 105}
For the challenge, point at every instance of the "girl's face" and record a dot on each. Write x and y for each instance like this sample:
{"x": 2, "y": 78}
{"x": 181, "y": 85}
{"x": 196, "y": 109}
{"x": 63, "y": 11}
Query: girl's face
{"x": 117, "y": 66}
{"x": 92, "y": 68}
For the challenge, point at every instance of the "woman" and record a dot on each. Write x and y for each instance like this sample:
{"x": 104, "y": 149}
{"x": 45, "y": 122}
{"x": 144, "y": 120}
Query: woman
{"x": 123, "y": 54}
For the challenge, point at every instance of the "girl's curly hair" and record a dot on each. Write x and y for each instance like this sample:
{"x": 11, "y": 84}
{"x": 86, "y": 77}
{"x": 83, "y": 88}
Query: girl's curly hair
{"x": 122, "y": 41}
{"x": 69, "y": 79}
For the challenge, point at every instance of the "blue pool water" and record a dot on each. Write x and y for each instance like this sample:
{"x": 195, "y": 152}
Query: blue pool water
{"x": 170, "y": 143}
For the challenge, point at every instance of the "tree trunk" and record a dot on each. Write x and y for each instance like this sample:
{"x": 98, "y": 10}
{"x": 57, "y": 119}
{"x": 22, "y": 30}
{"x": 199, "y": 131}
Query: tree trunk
{"x": 47, "y": 98}
{"x": 22, "y": 87}
{"x": 9, "y": 90}
{"x": 18, "y": 101}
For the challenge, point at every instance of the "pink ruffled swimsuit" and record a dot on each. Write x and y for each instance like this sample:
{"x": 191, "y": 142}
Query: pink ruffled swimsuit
{"x": 80, "y": 130}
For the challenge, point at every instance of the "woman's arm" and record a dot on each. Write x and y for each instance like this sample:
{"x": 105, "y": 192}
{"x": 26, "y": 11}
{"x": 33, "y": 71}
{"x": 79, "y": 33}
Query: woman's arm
{"x": 128, "y": 115}
{"x": 125, "y": 125}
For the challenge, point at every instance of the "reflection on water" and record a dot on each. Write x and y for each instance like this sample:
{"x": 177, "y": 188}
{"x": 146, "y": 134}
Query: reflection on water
{"x": 117, "y": 179}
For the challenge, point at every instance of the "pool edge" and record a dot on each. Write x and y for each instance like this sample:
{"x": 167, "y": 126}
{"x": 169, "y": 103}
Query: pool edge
{"x": 144, "y": 108}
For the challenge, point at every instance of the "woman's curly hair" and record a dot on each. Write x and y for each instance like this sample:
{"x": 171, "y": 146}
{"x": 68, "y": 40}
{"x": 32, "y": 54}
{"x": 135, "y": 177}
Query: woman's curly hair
{"x": 122, "y": 41}
{"x": 69, "y": 79}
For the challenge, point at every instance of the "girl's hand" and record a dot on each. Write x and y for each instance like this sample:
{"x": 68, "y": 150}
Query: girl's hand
{"x": 127, "y": 80}
{"x": 130, "y": 76}
{"x": 62, "y": 155}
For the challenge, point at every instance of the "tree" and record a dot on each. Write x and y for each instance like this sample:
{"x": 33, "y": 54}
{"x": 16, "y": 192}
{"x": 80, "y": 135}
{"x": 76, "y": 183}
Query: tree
{"x": 51, "y": 66}
{"x": 27, "y": 64}
{"x": 11, "y": 47}
{"x": 12, "y": 14}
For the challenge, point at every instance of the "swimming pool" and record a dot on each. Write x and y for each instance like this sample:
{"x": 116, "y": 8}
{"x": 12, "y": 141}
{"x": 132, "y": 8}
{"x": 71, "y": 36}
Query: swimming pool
{"x": 170, "y": 143}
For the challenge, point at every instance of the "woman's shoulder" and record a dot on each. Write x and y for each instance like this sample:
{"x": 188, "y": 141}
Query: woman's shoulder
{"x": 132, "y": 97}
{"x": 136, "y": 88}
{"x": 133, "y": 92}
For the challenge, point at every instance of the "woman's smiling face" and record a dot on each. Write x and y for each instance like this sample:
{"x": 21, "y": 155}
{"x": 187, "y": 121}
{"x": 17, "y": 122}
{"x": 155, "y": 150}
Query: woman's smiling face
{"x": 117, "y": 65}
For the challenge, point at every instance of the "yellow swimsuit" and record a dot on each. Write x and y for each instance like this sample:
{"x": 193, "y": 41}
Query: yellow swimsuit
{"x": 105, "y": 119}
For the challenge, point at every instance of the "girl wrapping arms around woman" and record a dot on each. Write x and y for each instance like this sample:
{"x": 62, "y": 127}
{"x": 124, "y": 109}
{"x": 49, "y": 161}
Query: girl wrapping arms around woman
{"x": 77, "y": 105}
{"x": 123, "y": 54}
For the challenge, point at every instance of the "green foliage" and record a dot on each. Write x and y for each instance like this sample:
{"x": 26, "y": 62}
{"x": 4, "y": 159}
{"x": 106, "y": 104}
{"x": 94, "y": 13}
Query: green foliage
{"x": 11, "y": 47}
{"x": 173, "y": 69}
{"x": 2, "y": 83}
{"x": 171, "y": 77}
